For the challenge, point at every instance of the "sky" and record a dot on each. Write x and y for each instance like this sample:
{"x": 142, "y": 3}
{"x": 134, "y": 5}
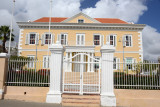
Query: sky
{"x": 136, "y": 11}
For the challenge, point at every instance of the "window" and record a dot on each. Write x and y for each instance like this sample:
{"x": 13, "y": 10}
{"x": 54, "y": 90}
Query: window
{"x": 63, "y": 39}
{"x": 116, "y": 64}
{"x": 32, "y": 39}
{"x": 47, "y": 38}
{"x": 112, "y": 40}
{"x": 129, "y": 63}
{"x": 128, "y": 40}
{"x": 96, "y": 65}
{"x": 31, "y": 62}
{"x": 46, "y": 61}
{"x": 80, "y": 21}
{"x": 80, "y": 38}
{"x": 96, "y": 39}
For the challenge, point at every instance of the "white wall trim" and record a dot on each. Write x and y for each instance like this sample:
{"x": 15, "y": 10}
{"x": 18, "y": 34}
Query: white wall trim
{"x": 140, "y": 45}
{"x": 20, "y": 40}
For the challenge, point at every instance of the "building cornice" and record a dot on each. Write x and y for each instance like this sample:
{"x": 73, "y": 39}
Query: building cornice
{"x": 85, "y": 26}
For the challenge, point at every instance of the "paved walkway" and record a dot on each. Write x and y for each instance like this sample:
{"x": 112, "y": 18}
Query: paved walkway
{"x": 16, "y": 103}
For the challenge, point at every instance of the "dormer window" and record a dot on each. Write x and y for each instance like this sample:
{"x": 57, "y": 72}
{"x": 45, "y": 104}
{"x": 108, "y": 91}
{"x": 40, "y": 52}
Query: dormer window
{"x": 80, "y": 21}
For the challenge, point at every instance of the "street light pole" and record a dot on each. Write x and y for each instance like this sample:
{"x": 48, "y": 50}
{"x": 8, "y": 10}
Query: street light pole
{"x": 9, "y": 50}
{"x": 123, "y": 49}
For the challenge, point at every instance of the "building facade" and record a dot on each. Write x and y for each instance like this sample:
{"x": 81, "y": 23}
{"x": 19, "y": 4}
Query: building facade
{"x": 81, "y": 33}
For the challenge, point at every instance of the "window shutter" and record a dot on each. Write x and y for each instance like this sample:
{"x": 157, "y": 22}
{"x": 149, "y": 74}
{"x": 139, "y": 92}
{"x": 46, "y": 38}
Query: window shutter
{"x": 131, "y": 40}
{"x": 37, "y": 38}
{"x": 27, "y": 39}
{"x": 52, "y": 38}
{"x": 117, "y": 63}
{"x": 108, "y": 39}
{"x": 43, "y": 39}
{"x": 124, "y": 40}
{"x": 134, "y": 63}
{"x": 115, "y": 40}
{"x": 102, "y": 40}
{"x": 59, "y": 38}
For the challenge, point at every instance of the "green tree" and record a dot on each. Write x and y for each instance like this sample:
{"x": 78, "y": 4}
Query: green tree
{"x": 5, "y": 35}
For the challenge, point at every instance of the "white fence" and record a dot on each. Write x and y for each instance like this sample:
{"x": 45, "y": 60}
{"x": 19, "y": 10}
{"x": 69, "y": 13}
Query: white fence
{"x": 27, "y": 72}
{"x": 144, "y": 75}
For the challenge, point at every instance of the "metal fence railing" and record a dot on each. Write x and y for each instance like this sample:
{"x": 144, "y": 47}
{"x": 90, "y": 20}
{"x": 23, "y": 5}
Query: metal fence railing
{"x": 144, "y": 75}
{"x": 28, "y": 73}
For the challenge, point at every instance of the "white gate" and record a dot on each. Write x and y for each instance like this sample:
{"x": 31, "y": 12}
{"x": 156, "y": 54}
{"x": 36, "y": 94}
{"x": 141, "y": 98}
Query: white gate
{"x": 81, "y": 74}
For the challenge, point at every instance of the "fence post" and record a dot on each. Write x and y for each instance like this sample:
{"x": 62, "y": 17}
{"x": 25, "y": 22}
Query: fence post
{"x": 107, "y": 86}
{"x": 3, "y": 72}
{"x": 56, "y": 60}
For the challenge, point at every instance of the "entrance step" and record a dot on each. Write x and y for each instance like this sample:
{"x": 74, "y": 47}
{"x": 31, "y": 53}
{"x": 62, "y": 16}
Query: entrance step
{"x": 80, "y": 100}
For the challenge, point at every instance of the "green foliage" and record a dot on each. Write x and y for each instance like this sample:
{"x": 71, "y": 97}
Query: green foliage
{"x": 5, "y": 35}
{"x": 19, "y": 61}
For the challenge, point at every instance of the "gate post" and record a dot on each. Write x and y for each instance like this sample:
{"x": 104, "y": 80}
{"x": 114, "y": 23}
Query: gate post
{"x": 3, "y": 72}
{"x": 56, "y": 64}
{"x": 107, "y": 88}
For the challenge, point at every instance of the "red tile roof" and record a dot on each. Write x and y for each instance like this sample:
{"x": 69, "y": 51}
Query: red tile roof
{"x": 53, "y": 19}
{"x": 102, "y": 20}
{"x": 110, "y": 20}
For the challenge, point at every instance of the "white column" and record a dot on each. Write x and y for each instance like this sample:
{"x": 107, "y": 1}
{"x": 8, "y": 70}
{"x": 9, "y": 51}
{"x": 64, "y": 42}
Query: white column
{"x": 89, "y": 65}
{"x": 56, "y": 62}
{"x": 107, "y": 93}
{"x": 92, "y": 65}
{"x": 67, "y": 63}
{"x": 70, "y": 67}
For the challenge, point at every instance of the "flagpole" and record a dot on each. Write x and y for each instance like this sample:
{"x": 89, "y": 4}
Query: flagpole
{"x": 49, "y": 38}
{"x": 9, "y": 51}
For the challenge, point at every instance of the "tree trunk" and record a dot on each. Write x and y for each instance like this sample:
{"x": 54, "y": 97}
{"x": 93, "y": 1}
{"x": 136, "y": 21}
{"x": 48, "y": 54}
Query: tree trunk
{"x": 4, "y": 49}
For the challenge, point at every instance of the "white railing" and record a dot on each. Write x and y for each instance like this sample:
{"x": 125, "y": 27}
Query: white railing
{"x": 27, "y": 72}
{"x": 144, "y": 75}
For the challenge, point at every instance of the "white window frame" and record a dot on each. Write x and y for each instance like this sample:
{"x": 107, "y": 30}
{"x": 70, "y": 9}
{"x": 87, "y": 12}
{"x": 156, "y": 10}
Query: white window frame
{"x": 80, "y": 39}
{"x": 31, "y": 63}
{"x": 49, "y": 39}
{"x": 117, "y": 63}
{"x": 130, "y": 44}
{"x": 30, "y": 38}
{"x": 131, "y": 64}
{"x": 80, "y": 20}
{"x": 46, "y": 64}
{"x": 98, "y": 58}
{"x": 100, "y": 37}
{"x": 114, "y": 39}
{"x": 66, "y": 37}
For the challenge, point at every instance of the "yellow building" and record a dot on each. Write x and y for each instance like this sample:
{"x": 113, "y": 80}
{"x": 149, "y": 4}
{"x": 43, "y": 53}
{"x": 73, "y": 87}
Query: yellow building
{"x": 81, "y": 33}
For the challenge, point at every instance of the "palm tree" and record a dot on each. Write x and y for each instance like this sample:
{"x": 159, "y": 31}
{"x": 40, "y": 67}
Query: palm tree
{"x": 5, "y": 35}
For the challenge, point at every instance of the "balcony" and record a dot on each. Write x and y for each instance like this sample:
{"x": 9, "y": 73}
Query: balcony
{"x": 82, "y": 43}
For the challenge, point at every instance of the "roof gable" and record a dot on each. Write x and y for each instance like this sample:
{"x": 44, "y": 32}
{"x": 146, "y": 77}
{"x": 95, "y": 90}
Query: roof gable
{"x": 90, "y": 20}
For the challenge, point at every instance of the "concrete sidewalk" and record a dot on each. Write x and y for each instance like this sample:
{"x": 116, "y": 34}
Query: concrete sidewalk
{"x": 16, "y": 103}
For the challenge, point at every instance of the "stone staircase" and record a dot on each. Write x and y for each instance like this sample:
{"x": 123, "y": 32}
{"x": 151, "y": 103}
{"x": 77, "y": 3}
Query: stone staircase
{"x": 80, "y": 100}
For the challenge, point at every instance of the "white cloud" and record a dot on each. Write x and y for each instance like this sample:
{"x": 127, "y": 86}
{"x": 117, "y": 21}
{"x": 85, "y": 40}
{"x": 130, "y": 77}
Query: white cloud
{"x": 128, "y": 10}
{"x": 151, "y": 43}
